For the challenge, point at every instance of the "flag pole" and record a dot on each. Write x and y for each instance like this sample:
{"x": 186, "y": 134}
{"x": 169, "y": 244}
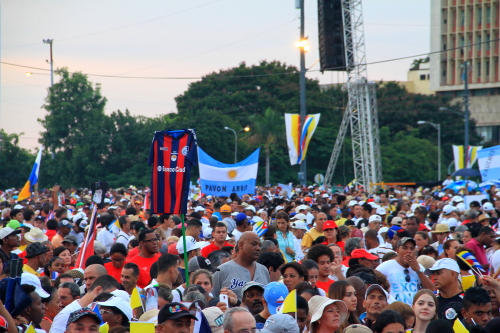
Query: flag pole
{"x": 186, "y": 270}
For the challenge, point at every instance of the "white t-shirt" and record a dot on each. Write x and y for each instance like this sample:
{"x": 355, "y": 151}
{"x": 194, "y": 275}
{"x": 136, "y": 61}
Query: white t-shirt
{"x": 400, "y": 289}
{"x": 495, "y": 261}
{"x": 236, "y": 233}
{"x": 106, "y": 237}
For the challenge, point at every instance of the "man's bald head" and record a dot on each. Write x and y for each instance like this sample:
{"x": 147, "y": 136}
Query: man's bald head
{"x": 249, "y": 246}
{"x": 92, "y": 272}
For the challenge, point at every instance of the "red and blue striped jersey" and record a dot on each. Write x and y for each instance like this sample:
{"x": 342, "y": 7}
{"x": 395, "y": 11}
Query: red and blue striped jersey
{"x": 172, "y": 155}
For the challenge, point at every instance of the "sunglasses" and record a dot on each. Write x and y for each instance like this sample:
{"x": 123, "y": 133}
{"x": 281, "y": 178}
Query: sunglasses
{"x": 407, "y": 275}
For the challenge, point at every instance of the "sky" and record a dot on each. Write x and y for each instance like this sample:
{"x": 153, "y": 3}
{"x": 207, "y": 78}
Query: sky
{"x": 158, "y": 38}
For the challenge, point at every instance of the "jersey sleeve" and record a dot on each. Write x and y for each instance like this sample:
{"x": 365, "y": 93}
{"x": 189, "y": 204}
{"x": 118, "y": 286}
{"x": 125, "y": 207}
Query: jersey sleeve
{"x": 193, "y": 151}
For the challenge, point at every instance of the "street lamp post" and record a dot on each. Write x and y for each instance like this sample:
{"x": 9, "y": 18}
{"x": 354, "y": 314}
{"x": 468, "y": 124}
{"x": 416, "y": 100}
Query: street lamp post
{"x": 246, "y": 129}
{"x": 438, "y": 127}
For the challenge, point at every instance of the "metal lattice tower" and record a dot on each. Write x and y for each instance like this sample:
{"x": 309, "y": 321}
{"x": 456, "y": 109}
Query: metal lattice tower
{"x": 361, "y": 112}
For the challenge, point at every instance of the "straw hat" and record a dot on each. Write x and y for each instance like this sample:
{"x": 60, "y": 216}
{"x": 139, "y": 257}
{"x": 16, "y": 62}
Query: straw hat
{"x": 440, "y": 228}
{"x": 317, "y": 305}
{"x": 150, "y": 316}
{"x": 35, "y": 235}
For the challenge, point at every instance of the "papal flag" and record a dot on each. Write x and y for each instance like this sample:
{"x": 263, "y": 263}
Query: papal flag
{"x": 458, "y": 155}
{"x": 33, "y": 179}
{"x": 297, "y": 139}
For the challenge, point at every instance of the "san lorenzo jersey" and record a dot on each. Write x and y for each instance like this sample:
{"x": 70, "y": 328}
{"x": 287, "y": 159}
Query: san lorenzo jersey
{"x": 172, "y": 155}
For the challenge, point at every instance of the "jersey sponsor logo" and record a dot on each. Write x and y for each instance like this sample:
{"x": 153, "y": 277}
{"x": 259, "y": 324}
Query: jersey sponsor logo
{"x": 164, "y": 148}
{"x": 185, "y": 150}
{"x": 236, "y": 283}
{"x": 161, "y": 168}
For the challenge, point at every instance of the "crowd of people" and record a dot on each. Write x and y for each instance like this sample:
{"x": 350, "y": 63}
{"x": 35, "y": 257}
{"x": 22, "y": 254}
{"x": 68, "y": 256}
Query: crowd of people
{"x": 399, "y": 259}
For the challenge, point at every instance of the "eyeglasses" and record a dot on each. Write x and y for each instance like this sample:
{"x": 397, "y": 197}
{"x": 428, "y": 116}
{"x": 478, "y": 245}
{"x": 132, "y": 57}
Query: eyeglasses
{"x": 407, "y": 275}
{"x": 101, "y": 311}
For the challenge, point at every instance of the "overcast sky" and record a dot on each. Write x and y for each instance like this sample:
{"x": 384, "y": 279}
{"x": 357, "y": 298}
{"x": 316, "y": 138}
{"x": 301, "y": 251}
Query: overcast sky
{"x": 161, "y": 38}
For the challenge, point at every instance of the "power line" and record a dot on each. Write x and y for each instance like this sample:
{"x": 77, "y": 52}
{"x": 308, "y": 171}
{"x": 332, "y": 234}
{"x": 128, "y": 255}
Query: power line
{"x": 250, "y": 75}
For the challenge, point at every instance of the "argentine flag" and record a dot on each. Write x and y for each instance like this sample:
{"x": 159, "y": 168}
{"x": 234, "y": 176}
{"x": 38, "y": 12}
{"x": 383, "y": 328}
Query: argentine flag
{"x": 489, "y": 163}
{"x": 32, "y": 180}
{"x": 221, "y": 179}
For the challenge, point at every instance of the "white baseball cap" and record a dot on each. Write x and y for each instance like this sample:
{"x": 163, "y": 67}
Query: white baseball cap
{"x": 381, "y": 211}
{"x": 445, "y": 263}
{"x": 120, "y": 304}
{"x": 457, "y": 198}
{"x": 191, "y": 244}
{"x": 199, "y": 209}
{"x": 448, "y": 209}
{"x": 374, "y": 218}
{"x": 488, "y": 206}
{"x": 18, "y": 206}
{"x": 452, "y": 222}
{"x": 376, "y": 286}
{"x": 251, "y": 207}
{"x": 300, "y": 216}
{"x": 32, "y": 279}
{"x": 326, "y": 195}
{"x": 352, "y": 203}
{"x": 279, "y": 208}
{"x": 207, "y": 233}
{"x": 461, "y": 207}
{"x": 299, "y": 225}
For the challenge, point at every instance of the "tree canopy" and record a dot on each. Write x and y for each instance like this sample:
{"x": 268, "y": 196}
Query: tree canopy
{"x": 90, "y": 145}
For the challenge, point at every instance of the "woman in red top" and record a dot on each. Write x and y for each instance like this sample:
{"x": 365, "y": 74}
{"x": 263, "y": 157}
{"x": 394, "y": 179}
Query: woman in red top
{"x": 332, "y": 234}
{"x": 118, "y": 253}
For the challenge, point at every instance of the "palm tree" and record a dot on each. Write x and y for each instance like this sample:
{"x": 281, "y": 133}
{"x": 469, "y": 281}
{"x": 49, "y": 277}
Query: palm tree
{"x": 268, "y": 128}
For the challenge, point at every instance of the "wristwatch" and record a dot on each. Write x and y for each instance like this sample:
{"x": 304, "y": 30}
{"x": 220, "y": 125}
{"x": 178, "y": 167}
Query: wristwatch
{"x": 422, "y": 270}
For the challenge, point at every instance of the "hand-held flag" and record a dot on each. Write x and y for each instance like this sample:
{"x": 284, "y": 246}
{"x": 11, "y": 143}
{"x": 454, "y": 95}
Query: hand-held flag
{"x": 470, "y": 260}
{"x": 33, "y": 179}
{"x": 87, "y": 249}
{"x": 458, "y": 327}
{"x": 290, "y": 303}
{"x": 135, "y": 299}
{"x": 142, "y": 327}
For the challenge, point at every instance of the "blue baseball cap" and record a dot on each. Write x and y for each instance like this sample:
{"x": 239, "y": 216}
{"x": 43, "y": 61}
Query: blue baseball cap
{"x": 240, "y": 217}
{"x": 275, "y": 294}
{"x": 392, "y": 231}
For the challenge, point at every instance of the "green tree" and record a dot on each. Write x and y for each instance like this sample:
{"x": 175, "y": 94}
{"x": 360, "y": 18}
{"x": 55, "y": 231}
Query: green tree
{"x": 16, "y": 162}
{"x": 268, "y": 131}
{"x": 76, "y": 131}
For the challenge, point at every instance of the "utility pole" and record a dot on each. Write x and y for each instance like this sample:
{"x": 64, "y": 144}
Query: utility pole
{"x": 51, "y": 62}
{"x": 302, "y": 84}
{"x": 466, "y": 112}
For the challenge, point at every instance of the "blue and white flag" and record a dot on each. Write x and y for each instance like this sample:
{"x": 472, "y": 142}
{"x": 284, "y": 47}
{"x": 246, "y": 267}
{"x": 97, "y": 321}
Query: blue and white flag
{"x": 221, "y": 179}
{"x": 489, "y": 163}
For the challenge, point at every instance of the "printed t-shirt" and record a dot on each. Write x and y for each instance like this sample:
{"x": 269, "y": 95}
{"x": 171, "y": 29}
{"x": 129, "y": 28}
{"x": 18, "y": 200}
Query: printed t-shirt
{"x": 144, "y": 265}
{"x": 310, "y": 237}
{"x": 443, "y": 302}
{"x": 211, "y": 248}
{"x": 234, "y": 276}
{"x": 400, "y": 290}
{"x": 324, "y": 285}
{"x": 172, "y": 155}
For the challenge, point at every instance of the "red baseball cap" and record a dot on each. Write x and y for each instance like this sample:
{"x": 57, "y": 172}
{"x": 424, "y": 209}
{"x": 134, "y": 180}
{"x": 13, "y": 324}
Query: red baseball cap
{"x": 3, "y": 323}
{"x": 329, "y": 225}
{"x": 307, "y": 199}
{"x": 172, "y": 249}
{"x": 362, "y": 253}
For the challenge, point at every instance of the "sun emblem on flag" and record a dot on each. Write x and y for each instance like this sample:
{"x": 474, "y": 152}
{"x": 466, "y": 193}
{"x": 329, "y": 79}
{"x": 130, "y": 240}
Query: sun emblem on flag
{"x": 232, "y": 173}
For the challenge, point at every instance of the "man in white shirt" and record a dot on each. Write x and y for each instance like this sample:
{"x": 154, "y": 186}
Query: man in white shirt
{"x": 404, "y": 274}
{"x": 124, "y": 234}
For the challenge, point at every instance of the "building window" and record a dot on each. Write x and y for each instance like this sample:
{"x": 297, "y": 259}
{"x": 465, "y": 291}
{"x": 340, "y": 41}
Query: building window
{"x": 428, "y": 76}
{"x": 486, "y": 132}
{"x": 478, "y": 69}
{"x": 444, "y": 73}
{"x": 444, "y": 47}
{"x": 488, "y": 15}
{"x": 422, "y": 77}
{"x": 462, "y": 18}
{"x": 478, "y": 42}
{"x": 487, "y": 68}
{"x": 488, "y": 39}
{"x": 479, "y": 16}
